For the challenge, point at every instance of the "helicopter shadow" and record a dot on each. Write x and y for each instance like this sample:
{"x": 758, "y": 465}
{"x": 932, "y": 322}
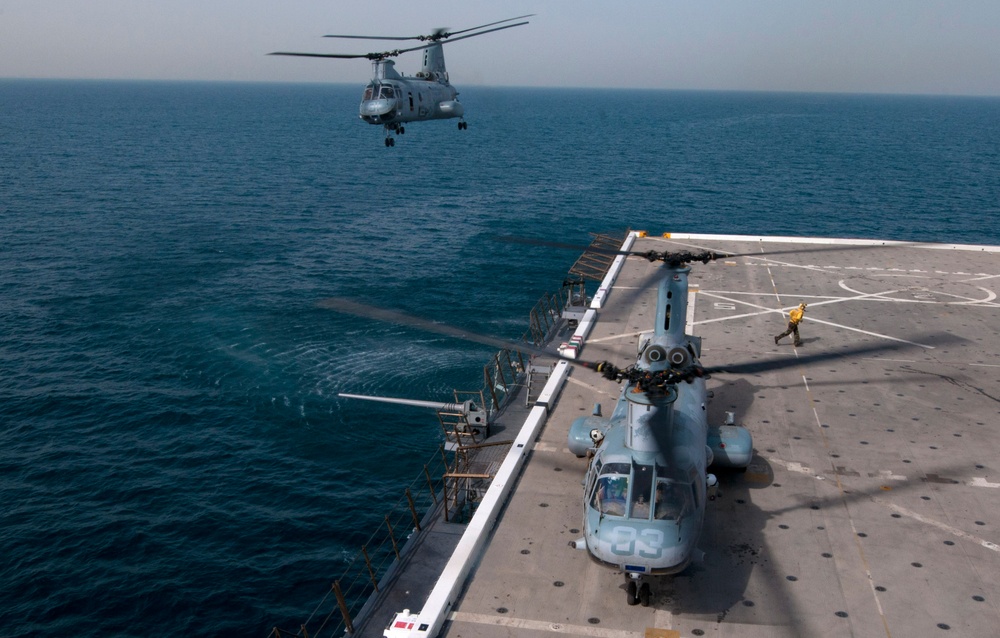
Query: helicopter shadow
{"x": 732, "y": 534}
{"x": 733, "y": 538}
{"x": 732, "y": 550}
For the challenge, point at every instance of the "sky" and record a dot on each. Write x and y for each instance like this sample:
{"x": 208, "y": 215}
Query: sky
{"x": 943, "y": 47}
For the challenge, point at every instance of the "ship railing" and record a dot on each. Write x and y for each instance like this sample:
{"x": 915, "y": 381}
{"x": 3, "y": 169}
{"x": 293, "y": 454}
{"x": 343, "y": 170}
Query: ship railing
{"x": 466, "y": 482}
{"x": 544, "y": 319}
{"x": 502, "y": 376}
{"x": 336, "y": 613}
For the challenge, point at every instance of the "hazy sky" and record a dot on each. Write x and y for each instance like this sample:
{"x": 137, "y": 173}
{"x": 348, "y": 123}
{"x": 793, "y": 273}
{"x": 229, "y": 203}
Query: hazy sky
{"x": 882, "y": 46}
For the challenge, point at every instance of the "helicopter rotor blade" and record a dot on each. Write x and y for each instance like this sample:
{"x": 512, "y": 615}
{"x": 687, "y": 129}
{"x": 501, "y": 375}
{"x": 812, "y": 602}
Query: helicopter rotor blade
{"x": 389, "y": 54}
{"x": 437, "y": 35}
{"x": 767, "y": 365}
{"x": 471, "y": 35}
{"x": 652, "y": 381}
{"x": 663, "y": 256}
{"x": 374, "y": 37}
{"x": 340, "y": 56}
{"x": 366, "y": 311}
{"x": 448, "y": 34}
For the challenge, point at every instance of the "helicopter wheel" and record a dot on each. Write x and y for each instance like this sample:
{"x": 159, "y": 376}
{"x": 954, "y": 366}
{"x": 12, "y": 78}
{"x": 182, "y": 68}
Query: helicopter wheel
{"x": 463, "y": 125}
{"x": 401, "y": 130}
{"x": 389, "y": 141}
{"x": 644, "y": 594}
{"x": 630, "y": 592}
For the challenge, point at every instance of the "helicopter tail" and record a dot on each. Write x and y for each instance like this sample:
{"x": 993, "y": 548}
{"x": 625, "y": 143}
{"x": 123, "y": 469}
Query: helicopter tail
{"x": 434, "y": 64}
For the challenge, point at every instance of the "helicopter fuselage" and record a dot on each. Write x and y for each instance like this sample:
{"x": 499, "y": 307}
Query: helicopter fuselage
{"x": 647, "y": 482}
{"x": 408, "y": 99}
{"x": 646, "y": 490}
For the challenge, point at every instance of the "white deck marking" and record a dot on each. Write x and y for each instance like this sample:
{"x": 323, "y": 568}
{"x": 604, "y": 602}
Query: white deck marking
{"x": 663, "y": 619}
{"x": 980, "y": 481}
{"x": 889, "y": 476}
{"x": 873, "y": 334}
{"x": 617, "y": 337}
{"x": 941, "y": 526}
{"x": 764, "y": 310}
{"x": 584, "y": 384}
{"x": 990, "y": 296}
{"x": 540, "y": 625}
{"x": 542, "y": 446}
{"x": 980, "y": 277}
{"x": 793, "y": 466}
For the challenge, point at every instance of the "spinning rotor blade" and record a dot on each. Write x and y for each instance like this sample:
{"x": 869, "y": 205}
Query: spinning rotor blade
{"x": 437, "y": 35}
{"x": 365, "y": 311}
{"x": 766, "y": 365}
{"x": 342, "y": 56}
{"x": 388, "y": 54}
{"x": 648, "y": 381}
{"x": 448, "y": 34}
{"x": 471, "y": 35}
{"x": 652, "y": 255}
{"x": 374, "y": 37}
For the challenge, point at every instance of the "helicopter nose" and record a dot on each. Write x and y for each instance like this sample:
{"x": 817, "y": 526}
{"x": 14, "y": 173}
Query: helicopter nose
{"x": 375, "y": 108}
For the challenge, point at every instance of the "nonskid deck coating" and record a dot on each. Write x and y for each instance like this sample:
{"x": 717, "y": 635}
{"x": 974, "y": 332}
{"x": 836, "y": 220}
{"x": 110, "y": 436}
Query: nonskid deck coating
{"x": 871, "y": 506}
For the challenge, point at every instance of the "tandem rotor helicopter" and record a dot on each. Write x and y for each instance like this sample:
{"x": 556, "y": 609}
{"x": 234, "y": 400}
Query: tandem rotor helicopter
{"x": 391, "y": 99}
{"x": 647, "y": 482}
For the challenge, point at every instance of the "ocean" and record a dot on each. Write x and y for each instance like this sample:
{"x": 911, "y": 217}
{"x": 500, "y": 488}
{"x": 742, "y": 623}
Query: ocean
{"x": 174, "y": 458}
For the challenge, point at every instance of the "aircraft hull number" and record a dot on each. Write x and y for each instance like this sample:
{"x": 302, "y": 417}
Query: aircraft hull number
{"x": 627, "y": 539}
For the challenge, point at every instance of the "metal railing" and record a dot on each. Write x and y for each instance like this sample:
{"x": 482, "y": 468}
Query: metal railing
{"x": 336, "y": 612}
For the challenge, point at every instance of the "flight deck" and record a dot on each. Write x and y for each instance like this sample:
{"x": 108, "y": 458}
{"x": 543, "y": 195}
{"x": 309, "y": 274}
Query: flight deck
{"x": 871, "y": 506}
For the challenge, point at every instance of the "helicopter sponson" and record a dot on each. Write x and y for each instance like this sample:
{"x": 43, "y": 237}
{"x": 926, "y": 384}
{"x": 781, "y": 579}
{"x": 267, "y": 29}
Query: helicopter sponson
{"x": 728, "y": 446}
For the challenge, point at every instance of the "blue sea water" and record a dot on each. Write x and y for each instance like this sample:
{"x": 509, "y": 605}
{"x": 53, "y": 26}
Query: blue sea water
{"x": 173, "y": 455}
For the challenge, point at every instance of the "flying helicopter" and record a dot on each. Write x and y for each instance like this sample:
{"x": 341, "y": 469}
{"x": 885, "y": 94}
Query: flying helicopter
{"x": 392, "y": 99}
{"x": 647, "y": 481}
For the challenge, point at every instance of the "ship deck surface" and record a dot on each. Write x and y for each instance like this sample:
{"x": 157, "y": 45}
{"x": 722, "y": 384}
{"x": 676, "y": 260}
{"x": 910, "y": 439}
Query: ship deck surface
{"x": 872, "y": 505}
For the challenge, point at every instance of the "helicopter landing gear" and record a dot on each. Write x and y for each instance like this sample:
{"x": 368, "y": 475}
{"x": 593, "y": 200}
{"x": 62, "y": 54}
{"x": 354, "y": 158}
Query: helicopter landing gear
{"x": 637, "y": 591}
{"x": 389, "y": 130}
{"x": 462, "y": 125}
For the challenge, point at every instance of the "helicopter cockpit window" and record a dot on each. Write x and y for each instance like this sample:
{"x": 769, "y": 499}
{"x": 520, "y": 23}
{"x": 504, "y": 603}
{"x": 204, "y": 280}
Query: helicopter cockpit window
{"x": 616, "y": 468}
{"x": 642, "y": 491}
{"x": 370, "y": 91}
{"x": 673, "y": 500}
{"x": 610, "y": 494}
{"x": 387, "y": 92}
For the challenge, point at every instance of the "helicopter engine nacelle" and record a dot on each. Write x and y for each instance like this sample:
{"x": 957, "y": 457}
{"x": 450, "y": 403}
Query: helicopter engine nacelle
{"x": 730, "y": 445}
{"x": 451, "y": 108}
{"x": 581, "y": 438}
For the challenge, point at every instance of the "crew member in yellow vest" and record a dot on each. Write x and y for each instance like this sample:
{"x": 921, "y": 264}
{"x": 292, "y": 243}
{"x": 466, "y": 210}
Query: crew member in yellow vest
{"x": 794, "y": 317}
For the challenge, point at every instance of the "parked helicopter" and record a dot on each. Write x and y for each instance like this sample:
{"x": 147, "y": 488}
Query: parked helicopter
{"x": 647, "y": 482}
{"x": 391, "y": 99}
